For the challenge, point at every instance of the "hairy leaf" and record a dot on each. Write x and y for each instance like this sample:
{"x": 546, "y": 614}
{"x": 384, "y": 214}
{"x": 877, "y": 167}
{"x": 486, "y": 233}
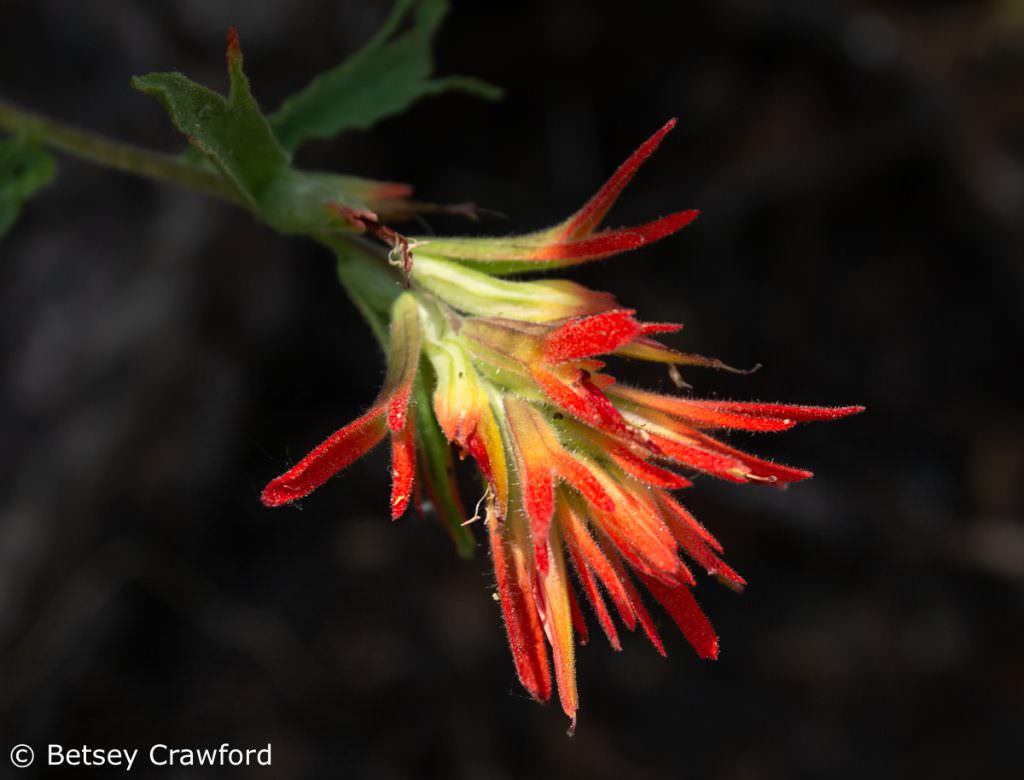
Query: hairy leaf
{"x": 382, "y": 79}
{"x": 25, "y": 167}
{"x": 235, "y": 138}
{"x": 232, "y": 133}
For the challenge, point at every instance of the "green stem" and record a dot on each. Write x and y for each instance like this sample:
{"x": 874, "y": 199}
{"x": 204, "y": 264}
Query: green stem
{"x": 362, "y": 271}
{"x": 113, "y": 154}
{"x": 362, "y": 268}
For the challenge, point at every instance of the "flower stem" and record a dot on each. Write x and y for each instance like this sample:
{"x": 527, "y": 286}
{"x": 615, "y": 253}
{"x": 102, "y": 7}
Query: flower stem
{"x": 114, "y": 154}
{"x": 362, "y": 267}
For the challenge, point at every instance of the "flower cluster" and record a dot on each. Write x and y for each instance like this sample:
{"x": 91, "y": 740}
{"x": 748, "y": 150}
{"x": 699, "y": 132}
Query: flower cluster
{"x": 579, "y": 469}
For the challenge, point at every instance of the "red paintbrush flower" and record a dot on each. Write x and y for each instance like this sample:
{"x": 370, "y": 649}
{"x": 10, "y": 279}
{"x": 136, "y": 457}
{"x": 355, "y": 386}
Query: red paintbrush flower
{"x": 579, "y": 469}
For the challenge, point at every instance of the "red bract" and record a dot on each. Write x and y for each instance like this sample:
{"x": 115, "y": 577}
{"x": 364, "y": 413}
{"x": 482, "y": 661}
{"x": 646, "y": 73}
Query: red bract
{"x": 390, "y": 411}
{"x": 578, "y": 468}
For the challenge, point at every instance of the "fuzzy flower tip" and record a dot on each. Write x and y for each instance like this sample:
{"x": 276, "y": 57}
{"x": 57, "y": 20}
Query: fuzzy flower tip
{"x": 579, "y": 470}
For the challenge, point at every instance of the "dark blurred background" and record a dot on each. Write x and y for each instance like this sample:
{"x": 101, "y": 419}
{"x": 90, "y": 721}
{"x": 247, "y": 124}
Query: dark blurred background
{"x": 860, "y": 168}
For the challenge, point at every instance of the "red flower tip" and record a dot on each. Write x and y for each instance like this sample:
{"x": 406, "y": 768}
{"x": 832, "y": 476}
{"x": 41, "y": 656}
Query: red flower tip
{"x": 327, "y": 459}
{"x": 666, "y": 226}
{"x": 579, "y": 624}
{"x": 586, "y": 220}
{"x": 687, "y": 614}
{"x": 275, "y": 495}
{"x": 403, "y": 469}
{"x": 597, "y": 334}
{"x": 234, "y": 47}
{"x": 787, "y": 412}
{"x": 646, "y": 328}
{"x": 522, "y": 621}
{"x": 581, "y": 398}
{"x": 613, "y": 242}
{"x": 477, "y": 449}
{"x": 640, "y": 469}
{"x": 602, "y": 245}
{"x": 398, "y": 409}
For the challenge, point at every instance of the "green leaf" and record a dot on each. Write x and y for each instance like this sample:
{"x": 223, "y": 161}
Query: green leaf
{"x": 232, "y": 133}
{"x": 384, "y": 78}
{"x": 25, "y": 168}
{"x": 236, "y": 139}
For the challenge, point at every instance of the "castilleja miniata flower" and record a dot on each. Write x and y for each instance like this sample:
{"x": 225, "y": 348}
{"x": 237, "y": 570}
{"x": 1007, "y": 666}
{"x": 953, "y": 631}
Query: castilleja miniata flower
{"x": 578, "y": 468}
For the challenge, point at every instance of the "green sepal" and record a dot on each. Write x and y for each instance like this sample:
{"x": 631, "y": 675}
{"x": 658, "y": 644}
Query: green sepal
{"x": 508, "y": 255}
{"x": 25, "y": 168}
{"x": 484, "y": 295}
{"x": 437, "y": 467}
{"x": 492, "y": 255}
{"x": 383, "y": 79}
{"x": 370, "y": 283}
